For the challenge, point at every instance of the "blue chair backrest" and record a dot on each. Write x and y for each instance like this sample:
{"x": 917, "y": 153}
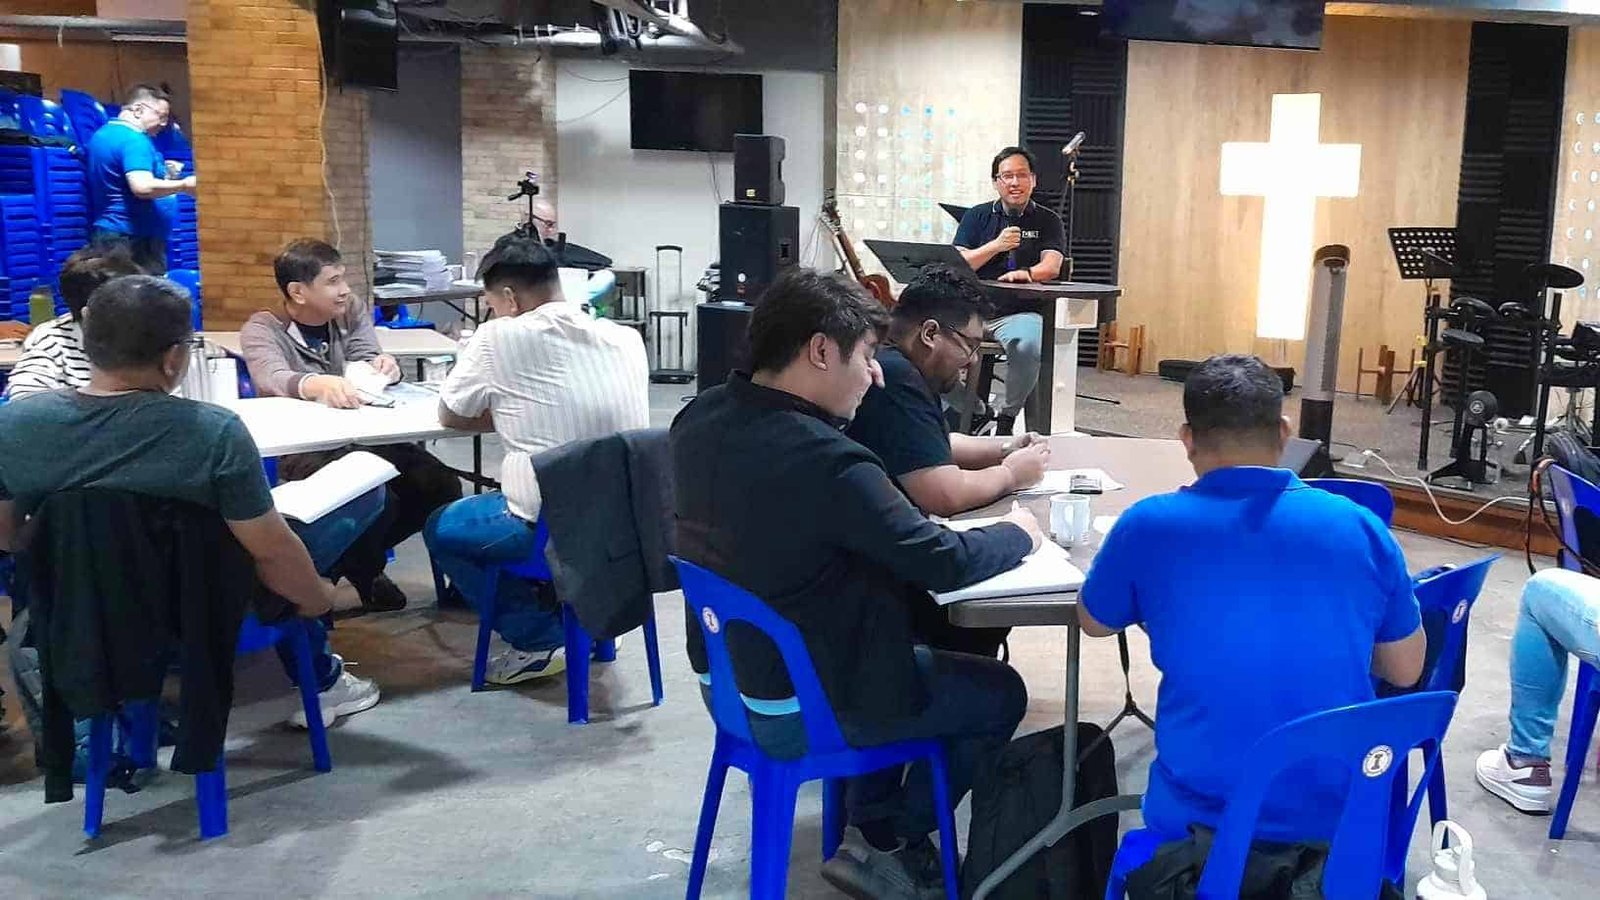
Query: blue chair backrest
{"x": 85, "y": 112}
{"x": 717, "y": 604}
{"x": 189, "y": 280}
{"x": 1369, "y": 494}
{"x": 1452, "y": 592}
{"x": 1367, "y": 739}
{"x": 1572, "y": 494}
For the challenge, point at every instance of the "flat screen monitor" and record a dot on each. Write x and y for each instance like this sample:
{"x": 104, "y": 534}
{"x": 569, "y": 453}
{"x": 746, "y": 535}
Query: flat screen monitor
{"x": 692, "y": 110}
{"x": 1292, "y": 24}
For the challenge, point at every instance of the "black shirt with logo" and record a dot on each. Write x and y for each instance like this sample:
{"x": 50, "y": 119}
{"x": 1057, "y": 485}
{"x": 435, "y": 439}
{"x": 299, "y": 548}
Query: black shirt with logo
{"x": 1041, "y": 231}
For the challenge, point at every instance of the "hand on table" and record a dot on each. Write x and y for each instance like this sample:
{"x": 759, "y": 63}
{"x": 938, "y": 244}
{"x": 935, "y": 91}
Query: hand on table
{"x": 387, "y": 367}
{"x": 1027, "y": 465}
{"x": 1022, "y": 518}
{"x": 1022, "y": 440}
{"x": 1017, "y": 276}
{"x": 331, "y": 390}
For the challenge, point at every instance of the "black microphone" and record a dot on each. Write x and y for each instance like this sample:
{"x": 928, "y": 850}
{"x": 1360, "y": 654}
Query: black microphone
{"x": 1072, "y": 145}
{"x": 1011, "y": 221}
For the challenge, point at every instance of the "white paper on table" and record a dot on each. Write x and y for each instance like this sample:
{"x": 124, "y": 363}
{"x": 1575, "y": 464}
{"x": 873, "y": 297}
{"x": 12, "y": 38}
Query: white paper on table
{"x": 332, "y": 486}
{"x": 1048, "y": 570}
{"x": 1103, "y": 524}
{"x": 1059, "y": 481}
{"x": 367, "y": 378}
{"x": 408, "y": 392}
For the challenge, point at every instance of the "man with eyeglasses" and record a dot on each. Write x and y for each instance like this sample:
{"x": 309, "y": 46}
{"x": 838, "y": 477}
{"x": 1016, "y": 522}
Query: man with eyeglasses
{"x": 128, "y": 179}
{"x": 934, "y": 333}
{"x": 1014, "y": 240}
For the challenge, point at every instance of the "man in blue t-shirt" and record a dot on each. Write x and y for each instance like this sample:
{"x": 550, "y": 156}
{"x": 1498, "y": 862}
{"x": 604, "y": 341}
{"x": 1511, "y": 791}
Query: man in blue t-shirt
{"x": 128, "y": 179}
{"x": 1264, "y": 599}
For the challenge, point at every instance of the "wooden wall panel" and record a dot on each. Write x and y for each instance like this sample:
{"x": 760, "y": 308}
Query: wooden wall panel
{"x": 928, "y": 90}
{"x": 106, "y": 70}
{"x": 1190, "y": 256}
{"x": 1575, "y": 240}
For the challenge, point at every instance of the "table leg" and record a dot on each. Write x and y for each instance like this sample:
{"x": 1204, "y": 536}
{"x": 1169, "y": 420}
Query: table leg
{"x": 1041, "y": 402}
{"x": 477, "y": 462}
{"x": 1066, "y": 818}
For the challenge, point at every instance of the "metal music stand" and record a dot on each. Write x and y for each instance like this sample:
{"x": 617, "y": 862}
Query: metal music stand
{"x": 1426, "y": 254}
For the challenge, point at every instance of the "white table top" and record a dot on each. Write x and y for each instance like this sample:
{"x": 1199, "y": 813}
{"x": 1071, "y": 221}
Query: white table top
{"x": 281, "y": 425}
{"x": 393, "y": 341}
{"x": 9, "y": 354}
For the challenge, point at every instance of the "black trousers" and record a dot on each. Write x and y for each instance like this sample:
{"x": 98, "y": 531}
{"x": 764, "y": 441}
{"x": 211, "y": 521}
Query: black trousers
{"x": 424, "y": 485}
{"x": 149, "y": 253}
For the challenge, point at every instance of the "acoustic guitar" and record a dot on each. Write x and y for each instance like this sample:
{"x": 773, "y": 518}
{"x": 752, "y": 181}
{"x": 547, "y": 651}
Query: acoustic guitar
{"x": 876, "y": 285}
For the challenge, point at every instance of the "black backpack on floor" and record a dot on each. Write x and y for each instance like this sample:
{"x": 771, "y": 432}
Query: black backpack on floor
{"x": 1018, "y": 795}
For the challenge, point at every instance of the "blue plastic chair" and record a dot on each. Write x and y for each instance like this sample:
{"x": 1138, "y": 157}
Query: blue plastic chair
{"x": 398, "y": 317}
{"x": 189, "y": 280}
{"x": 210, "y": 788}
{"x": 1374, "y": 831}
{"x": 1368, "y": 494}
{"x": 1572, "y": 494}
{"x": 774, "y": 782}
{"x": 579, "y": 645}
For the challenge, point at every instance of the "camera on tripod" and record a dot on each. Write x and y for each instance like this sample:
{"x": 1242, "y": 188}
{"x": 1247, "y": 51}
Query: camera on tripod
{"x": 527, "y": 187}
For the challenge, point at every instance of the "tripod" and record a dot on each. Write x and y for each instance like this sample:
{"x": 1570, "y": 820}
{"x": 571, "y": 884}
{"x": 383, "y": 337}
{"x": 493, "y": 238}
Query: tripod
{"x": 1130, "y": 706}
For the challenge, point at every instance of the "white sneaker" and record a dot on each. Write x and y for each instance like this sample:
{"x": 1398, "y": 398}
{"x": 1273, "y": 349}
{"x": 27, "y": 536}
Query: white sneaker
{"x": 348, "y": 696}
{"x": 516, "y": 666}
{"x": 1527, "y": 788}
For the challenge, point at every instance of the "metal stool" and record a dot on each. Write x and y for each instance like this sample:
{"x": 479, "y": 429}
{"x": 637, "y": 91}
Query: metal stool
{"x": 980, "y": 383}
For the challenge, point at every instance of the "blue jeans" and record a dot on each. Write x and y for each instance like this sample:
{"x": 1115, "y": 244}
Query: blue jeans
{"x": 1020, "y": 334}
{"x": 974, "y": 704}
{"x": 326, "y": 540}
{"x": 1560, "y": 615}
{"x": 469, "y": 540}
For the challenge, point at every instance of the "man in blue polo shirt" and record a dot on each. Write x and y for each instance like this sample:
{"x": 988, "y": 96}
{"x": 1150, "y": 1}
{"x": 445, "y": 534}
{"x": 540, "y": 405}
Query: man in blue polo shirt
{"x": 1264, "y": 599}
{"x": 129, "y": 179}
{"x": 1013, "y": 239}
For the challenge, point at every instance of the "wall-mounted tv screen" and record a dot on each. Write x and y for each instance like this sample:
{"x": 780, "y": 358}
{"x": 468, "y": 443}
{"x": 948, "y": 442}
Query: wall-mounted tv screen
{"x": 1293, "y": 24}
{"x": 692, "y": 110}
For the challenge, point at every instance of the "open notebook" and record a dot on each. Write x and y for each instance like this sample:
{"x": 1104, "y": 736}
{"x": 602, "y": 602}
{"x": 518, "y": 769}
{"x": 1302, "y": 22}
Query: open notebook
{"x": 1048, "y": 570}
{"x": 332, "y": 486}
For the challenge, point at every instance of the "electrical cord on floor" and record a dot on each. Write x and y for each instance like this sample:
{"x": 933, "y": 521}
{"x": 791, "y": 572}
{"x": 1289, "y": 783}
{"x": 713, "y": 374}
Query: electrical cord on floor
{"x": 1428, "y": 489}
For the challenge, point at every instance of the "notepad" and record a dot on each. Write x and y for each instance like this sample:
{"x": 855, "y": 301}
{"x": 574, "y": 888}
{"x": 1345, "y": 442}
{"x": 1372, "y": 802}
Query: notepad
{"x": 332, "y": 486}
{"x": 1048, "y": 570}
{"x": 1059, "y": 481}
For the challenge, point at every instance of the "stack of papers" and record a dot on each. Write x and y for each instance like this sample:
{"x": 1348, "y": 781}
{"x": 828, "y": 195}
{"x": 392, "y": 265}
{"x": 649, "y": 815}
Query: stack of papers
{"x": 1048, "y": 570}
{"x": 1059, "y": 481}
{"x": 423, "y": 269}
{"x": 332, "y": 486}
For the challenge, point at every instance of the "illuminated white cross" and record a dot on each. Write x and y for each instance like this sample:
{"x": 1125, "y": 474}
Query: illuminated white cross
{"x": 1291, "y": 170}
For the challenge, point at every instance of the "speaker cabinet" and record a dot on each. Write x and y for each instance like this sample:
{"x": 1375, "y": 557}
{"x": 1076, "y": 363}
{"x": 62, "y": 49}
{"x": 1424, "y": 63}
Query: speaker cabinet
{"x": 758, "y": 169}
{"x": 757, "y": 243}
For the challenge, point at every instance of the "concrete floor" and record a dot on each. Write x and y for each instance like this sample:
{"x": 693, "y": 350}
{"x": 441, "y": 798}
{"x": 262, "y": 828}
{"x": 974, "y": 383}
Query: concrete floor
{"x": 441, "y": 792}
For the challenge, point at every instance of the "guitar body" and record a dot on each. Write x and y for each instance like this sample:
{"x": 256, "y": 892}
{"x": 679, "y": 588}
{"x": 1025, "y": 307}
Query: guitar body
{"x": 876, "y": 285}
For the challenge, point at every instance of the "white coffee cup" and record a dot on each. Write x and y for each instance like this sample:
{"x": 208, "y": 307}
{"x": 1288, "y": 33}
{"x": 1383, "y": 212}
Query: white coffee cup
{"x": 1069, "y": 518}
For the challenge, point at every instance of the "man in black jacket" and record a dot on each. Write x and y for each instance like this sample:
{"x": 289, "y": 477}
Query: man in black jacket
{"x": 772, "y": 495}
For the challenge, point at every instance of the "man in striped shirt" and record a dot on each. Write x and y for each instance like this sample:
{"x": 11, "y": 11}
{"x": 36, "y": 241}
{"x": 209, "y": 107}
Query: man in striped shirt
{"x": 541, "y": 373}
{"x": 52, "y": 356}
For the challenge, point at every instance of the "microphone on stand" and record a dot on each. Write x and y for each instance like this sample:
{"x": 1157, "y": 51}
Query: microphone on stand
{"x": 1072, "y": 146}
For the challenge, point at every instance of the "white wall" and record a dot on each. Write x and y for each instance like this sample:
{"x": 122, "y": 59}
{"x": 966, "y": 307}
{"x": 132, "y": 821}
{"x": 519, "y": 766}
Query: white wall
{"x": 625, "y": 202}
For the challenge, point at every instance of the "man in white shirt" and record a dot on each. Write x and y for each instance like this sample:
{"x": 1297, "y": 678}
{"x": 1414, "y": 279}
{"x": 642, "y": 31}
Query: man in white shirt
{"x": 541, "y": 373}
{"x": 53, "y": 356}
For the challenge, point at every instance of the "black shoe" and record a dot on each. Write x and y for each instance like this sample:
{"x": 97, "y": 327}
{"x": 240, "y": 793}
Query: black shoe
{"x": 1004, "y": 424}
{"x": 383, "y": 596}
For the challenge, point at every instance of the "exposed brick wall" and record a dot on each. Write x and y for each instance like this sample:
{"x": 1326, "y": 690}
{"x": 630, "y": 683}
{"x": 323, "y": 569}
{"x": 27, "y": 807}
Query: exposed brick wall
{"x": 253, "y": 69}
{"x": 345, "y": 132}
{"x": 508, "y": 103}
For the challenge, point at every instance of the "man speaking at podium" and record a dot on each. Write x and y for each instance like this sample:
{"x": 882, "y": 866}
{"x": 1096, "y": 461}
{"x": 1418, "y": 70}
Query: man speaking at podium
{"x": 1014, "y": 240}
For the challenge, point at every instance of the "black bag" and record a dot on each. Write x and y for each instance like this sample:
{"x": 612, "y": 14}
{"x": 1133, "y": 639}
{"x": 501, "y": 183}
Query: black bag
{"x": 1570, "y": 454}
{"x": 1271, "y": 871}
{"x": 1013, "y": 799}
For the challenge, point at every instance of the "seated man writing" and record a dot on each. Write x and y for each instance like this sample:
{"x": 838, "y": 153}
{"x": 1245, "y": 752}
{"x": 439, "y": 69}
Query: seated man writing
{"x": 934, "y": 332}
{"x": 772, "y": 496}
{"x": 124, "y": 431}
{"x": 541, "y": 373}
{"x": 1264, "y": 599}
{"x": 1556, "y": 620}
{"x": 52, "y": 355}
{"x": 303, "y": 349}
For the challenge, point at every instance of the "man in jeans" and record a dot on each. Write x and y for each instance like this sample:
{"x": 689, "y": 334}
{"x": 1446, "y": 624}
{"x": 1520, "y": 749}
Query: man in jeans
{"x": 770, "y": 494}
{"x": 1559, "y": 616}
{"x": 124, "y": 431}
{"x": 541, "y": 373}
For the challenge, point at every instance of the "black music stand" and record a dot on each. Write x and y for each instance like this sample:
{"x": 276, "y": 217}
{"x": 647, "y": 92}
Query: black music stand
{"x": 1426, "y": 254}
{"x": 906, "y": 259}
{"x": 955, "y": 211}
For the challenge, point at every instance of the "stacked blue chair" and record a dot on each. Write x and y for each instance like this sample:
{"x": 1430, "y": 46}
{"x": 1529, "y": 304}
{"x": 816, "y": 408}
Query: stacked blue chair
{"x": 183, "y": 242}
{"x": 210, "y": 788}
{"x": 54, "y": 178}
{"x": 1370, "y": 495}
{"x": 1375, "y": 826}
{"x": 1573, "y": 494}
{"x": 773, "y": 782}
{"x": 85, "y": 113}
{"x": 23, "y": 258}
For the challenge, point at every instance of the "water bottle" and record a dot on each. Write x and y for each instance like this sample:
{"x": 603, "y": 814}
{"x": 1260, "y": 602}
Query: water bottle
{"x": 41, "y": 305}
{"x": 1452, "y": 877}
